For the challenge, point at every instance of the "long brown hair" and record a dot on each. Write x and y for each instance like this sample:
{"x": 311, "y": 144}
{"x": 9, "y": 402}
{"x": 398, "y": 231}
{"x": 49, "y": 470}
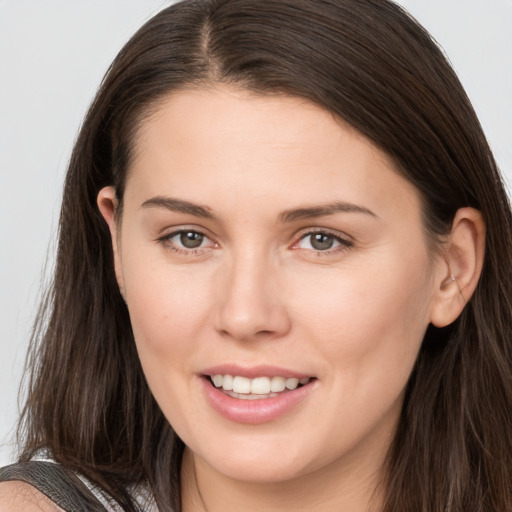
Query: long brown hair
{"x": 371, "y": 64}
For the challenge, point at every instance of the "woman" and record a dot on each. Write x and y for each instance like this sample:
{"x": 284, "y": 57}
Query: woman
{"x": 283, "y": 276}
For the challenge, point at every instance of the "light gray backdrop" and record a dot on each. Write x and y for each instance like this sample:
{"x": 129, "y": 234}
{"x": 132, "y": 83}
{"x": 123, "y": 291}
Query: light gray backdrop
{"x": 53, "y": 54}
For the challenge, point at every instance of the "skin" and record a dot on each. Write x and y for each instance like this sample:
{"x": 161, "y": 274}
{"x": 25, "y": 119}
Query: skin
{"x": 258, "y": 291}
{"x": 19, "y": 496}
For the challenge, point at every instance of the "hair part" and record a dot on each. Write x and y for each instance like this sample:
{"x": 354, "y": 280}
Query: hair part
{"x": 376, "y": 68}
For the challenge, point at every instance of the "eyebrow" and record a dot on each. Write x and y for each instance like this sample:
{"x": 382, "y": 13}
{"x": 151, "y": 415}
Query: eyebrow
{"x": 179, "y": 206}
{"x": 324, "y": 210}
{"x": 186, "y": 207}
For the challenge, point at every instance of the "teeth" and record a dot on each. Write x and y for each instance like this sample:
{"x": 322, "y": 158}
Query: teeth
{"x": 277, "y": 384}
{"x": 227, "y": 383}
{"x": 251, "y": 397}
{"x": 260, "y": 386}
{"x": 241, "y": 385}
{"x": 292, "y": 383}
{"x": 255, "y": 388}
{"x": 218, "y": 380}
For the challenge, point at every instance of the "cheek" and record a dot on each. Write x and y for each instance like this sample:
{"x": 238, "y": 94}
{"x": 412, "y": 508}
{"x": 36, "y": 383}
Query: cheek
{"x": 168, "y": 306}
{"x": 168, "y": 311}
{"x": 364, "y": 334}
{"x": 369, "y": 320}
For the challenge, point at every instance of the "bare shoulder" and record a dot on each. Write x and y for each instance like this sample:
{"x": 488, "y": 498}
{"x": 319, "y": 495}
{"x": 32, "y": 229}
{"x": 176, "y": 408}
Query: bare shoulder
{"x": 18, "y": 496}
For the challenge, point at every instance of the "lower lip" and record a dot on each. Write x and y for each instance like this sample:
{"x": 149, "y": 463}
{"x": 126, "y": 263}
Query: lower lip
{"x": 254, "y": 412}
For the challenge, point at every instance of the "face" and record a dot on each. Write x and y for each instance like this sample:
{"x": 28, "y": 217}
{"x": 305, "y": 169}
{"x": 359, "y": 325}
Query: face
{"x": 278, "y": 280}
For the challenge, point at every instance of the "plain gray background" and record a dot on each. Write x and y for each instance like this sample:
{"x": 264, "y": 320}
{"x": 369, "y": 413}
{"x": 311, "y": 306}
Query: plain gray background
{"x": 53, "y": 54}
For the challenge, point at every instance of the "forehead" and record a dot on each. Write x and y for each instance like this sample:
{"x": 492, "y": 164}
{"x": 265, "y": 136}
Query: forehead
{"x": 236, "y": 116}
{"x": 223, "y": 143}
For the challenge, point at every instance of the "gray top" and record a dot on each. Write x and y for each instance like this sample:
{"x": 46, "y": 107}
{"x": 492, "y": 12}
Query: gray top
{"x": 61, "y": 486}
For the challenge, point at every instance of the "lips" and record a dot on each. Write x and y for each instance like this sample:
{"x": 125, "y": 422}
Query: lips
{"x": 255, "y": 395}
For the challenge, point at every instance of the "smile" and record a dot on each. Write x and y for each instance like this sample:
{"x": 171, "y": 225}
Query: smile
{"x": 258, "y": 388}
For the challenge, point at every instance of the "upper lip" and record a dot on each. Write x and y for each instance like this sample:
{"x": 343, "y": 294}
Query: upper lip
{"x": 251, "y": 372}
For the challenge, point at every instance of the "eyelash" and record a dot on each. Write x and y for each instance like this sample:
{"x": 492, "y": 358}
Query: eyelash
{"x": 166, "y": 241}
{"x": 343, "y": 243}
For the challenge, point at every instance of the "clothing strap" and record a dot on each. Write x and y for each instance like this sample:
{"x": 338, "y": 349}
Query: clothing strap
{"x": 61, "y": 486}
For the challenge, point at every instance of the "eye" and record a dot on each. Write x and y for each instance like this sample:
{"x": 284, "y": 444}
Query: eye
{"x": 189, "y": 239}
{"x": 322, "y": 241}
{"x": 186, "y": 240}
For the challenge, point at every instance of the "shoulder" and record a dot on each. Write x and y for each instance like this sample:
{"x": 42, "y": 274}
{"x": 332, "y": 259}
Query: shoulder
{"x": 18, "y": 496}
{"x": 45, "y": 486}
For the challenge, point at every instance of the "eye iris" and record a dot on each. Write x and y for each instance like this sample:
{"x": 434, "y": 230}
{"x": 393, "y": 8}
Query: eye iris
{"x": 321, "y": 241}
{"x": 191, "y": 240}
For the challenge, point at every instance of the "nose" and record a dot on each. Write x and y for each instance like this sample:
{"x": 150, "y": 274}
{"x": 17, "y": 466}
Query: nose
{"x": 251, "y": 301}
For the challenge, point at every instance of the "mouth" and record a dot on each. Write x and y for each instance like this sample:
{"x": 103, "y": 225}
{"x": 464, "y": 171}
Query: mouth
{"x": 258, "y": 394}
{"x": 259, "y": 388}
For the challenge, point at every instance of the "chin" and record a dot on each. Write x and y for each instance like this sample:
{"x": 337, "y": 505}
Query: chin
{"x": 260, "y": 472}
{"x": 263, "y": 463}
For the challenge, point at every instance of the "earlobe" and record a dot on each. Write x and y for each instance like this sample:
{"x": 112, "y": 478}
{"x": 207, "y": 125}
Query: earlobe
{"x": 463, "y": 259}
{"x": 108, "y": 204}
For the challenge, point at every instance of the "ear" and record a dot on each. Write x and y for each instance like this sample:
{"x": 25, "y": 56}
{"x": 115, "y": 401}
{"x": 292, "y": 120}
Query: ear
{"x": 460, "y": 266}
{"x": 108, "y": 204}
